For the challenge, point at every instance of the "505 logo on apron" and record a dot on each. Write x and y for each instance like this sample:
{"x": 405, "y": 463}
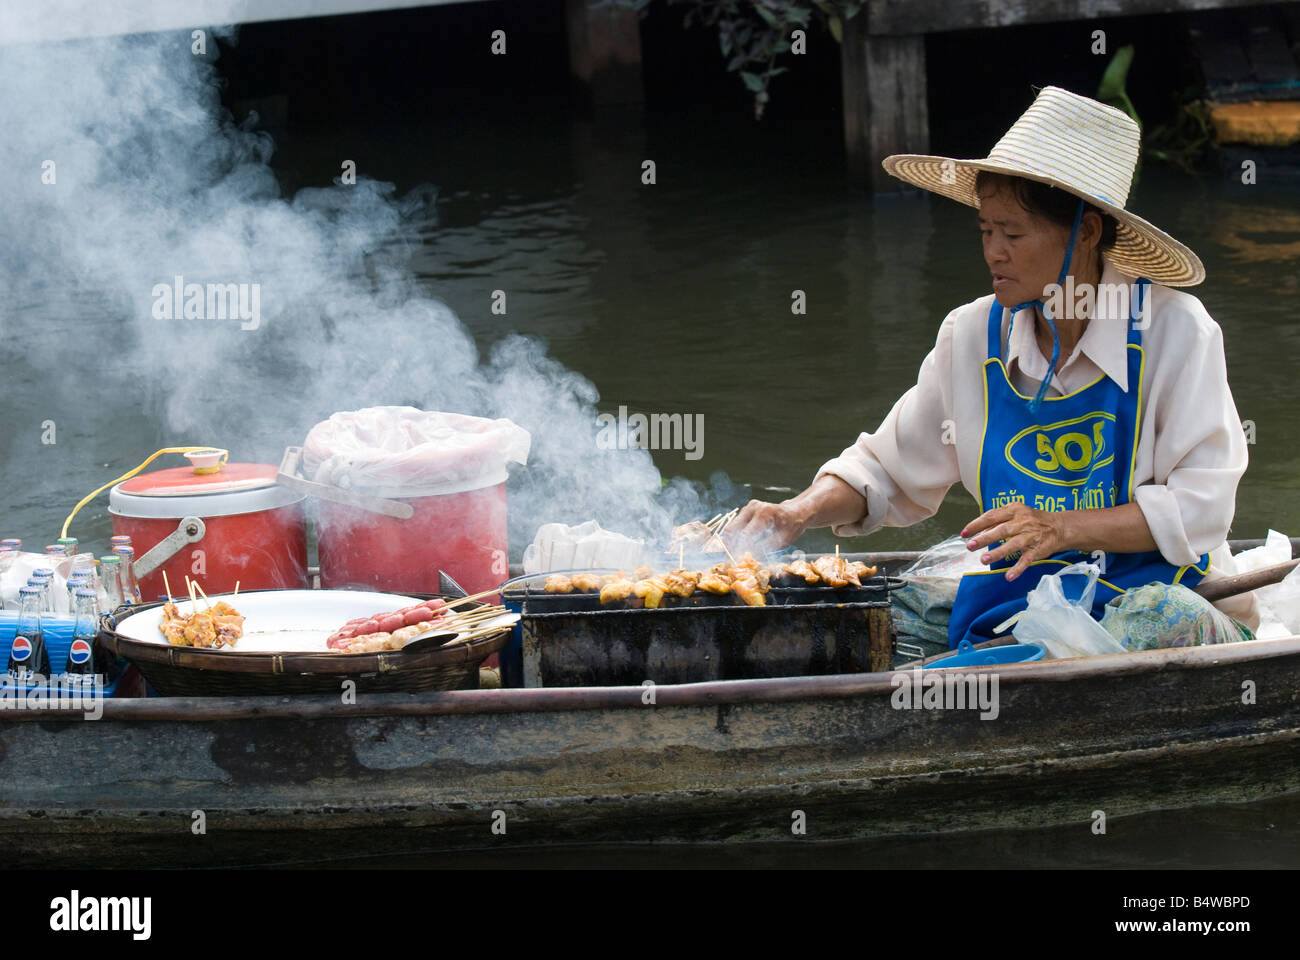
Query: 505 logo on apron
{"x": 1064, "y": 453}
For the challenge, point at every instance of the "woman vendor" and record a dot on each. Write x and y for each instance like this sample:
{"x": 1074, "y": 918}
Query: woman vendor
{"x": 1087, "y": 427}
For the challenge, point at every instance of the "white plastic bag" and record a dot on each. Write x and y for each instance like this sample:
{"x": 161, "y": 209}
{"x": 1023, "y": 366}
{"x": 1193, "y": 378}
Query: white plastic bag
{"x": 1276, "y": 549}
{"x": 1282, "y": 603}
{"x": 1063, "y": 628}
{"x": 1279, "y": 603}
{"x": 405, "y": 452}
{"x": 585, "y": 546}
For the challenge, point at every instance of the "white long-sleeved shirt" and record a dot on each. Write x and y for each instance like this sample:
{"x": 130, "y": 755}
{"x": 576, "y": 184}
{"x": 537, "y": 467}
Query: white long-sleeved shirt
{"x": 1191, "y": 450}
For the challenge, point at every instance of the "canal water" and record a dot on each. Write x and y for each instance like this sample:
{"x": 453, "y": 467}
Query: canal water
{"x": 669, "y": 297}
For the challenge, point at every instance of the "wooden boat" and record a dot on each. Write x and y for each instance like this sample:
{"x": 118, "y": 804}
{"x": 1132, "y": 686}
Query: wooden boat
{"x": 302, "y": 779}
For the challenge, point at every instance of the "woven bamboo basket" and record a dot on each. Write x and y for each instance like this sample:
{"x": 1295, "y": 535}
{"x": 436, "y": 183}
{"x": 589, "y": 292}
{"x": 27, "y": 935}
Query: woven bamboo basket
{"x": 197, "y": 672}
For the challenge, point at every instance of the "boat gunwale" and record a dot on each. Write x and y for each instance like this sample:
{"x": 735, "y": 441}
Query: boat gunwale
{"x": 709, "y": 693}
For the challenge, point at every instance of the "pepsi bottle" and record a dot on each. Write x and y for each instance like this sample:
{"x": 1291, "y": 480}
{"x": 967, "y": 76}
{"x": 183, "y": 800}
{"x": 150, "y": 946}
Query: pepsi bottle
{"x": 28, "y": 658}
{"x": 81, "y": 658}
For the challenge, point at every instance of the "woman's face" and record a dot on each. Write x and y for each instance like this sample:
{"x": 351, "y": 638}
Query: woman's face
{"x": 1023, "y": 251}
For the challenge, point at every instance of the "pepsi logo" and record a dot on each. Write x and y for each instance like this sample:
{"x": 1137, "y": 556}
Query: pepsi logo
{"x": 79, "y": 652}
{"x": 22, "y": 649}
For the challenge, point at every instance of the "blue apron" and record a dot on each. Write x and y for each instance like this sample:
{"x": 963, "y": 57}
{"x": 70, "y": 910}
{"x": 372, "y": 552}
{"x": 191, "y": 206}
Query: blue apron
{"x": 1076, "y": 453}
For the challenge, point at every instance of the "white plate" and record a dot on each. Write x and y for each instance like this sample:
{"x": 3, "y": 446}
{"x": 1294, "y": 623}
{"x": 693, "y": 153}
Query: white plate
{"x": 279, "y": 621}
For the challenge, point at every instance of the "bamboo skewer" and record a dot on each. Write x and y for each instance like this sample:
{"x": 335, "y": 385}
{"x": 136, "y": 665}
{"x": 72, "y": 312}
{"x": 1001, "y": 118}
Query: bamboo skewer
{"x": 472, "y": 619}
{"x": 474, "y": 596}
{"x": 236, "y": 593}
{"x": 167, "y": 586}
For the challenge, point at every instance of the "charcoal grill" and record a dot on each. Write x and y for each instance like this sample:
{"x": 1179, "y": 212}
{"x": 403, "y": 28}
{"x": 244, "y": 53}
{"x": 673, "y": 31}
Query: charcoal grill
{"x": 570, "y": 639}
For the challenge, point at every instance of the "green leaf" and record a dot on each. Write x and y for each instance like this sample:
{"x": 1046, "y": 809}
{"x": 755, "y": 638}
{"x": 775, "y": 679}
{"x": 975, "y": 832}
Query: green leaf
{"x": 837, "y": 29}
{"x": 751, "y": 80}
{"x": 766, "y": 14}
{"x": 1113, "y": 80}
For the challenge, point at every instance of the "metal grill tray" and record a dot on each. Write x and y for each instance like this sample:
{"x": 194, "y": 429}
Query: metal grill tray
{"x": 873, "y": 592}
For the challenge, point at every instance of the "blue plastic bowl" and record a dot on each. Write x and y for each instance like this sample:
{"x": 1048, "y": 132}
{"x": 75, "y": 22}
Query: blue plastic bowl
{"x": 968, "y": 656}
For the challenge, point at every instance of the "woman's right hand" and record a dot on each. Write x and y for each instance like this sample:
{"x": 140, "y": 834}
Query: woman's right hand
{"x": 762, "y": 527}
{"x": 767, "y": 527}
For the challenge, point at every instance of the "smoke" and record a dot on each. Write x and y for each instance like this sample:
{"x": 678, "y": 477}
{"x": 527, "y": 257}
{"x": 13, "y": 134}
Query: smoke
{"x": 125, "y": 172}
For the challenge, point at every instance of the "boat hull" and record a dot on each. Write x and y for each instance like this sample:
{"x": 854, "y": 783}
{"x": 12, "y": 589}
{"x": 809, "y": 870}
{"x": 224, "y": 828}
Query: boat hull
{"x": 305, "y": 779}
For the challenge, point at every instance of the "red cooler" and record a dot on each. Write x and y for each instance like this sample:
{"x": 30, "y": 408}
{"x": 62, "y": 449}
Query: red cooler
{"x": 403, "y": 493}
{"x": 249, "y": 529}
{"x": 463, "y": 534}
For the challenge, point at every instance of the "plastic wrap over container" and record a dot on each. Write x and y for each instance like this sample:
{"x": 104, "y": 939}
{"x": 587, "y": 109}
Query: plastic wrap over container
{"x": 451, "y": 469}
{"x": 406, "y": 452}
{"x": 15, "y": 568}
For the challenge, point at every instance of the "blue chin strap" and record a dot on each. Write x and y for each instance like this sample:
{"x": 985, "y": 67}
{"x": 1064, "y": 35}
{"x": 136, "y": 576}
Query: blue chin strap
{"x": 1037, "y": 402}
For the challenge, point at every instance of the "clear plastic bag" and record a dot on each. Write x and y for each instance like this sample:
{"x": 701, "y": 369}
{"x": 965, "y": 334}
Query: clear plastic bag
{"x": 947, "y": 560}
{"x": 1061, "y": 626}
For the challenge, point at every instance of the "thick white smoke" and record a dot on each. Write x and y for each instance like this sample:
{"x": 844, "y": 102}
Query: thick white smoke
{"x": 124, "y": 171}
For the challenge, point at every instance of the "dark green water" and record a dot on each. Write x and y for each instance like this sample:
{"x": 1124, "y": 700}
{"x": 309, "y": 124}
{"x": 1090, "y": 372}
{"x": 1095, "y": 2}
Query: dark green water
{"x": 675, "y": 298}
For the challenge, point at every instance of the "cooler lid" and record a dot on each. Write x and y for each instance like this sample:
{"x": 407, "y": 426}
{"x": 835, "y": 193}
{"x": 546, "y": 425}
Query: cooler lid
{"x": 184, "y": 482}
{"x": 236, "y": 488}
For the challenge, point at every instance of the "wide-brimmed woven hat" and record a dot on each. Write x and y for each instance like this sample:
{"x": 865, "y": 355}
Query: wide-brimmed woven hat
{"x": 1083, "y": 147}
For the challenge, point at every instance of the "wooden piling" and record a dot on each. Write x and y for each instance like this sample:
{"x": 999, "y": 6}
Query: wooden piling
{"x": 885, "y": 108}
{"x": 604, "y": 53}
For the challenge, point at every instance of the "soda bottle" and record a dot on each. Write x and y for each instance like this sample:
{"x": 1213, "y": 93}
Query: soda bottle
{"x": 110, "y": 573}
{"x": 45, "y": 577}
{"x": 56, "y": 552}
{"x": 69, "y": 545}
{"x": 130, "y": 586}
{"x": 28, "y": 658}
{"x": 81, "y": 659}
{"x": 14, "y": 544}
{"x": 75, "y": 582}
{"x": 118, "y": 542}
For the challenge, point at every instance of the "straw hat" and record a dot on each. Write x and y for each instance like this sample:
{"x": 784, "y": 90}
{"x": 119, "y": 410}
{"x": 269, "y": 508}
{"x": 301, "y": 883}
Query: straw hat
{"x": 1083, "y": 147}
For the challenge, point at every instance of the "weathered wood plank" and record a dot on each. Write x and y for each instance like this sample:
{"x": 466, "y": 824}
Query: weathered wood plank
{"x": 885, "y": 111}
{"x": 905, "y": 17}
